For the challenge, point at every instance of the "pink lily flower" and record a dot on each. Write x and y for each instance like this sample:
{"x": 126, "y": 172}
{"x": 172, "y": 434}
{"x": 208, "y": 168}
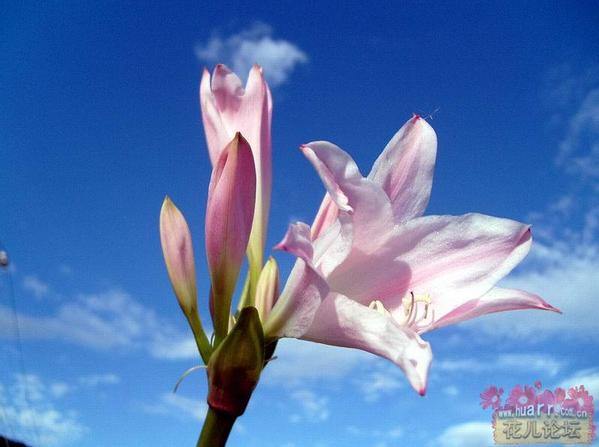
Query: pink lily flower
{"x": 229, "y": 215}
{"x": 373, "y": 274}
{"x": 228, "y": 108}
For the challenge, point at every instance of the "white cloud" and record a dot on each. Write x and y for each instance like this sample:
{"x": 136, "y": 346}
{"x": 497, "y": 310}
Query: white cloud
{"x": 95, "y": 380}
{"x": 579, "y": 150}
{"x": 563, "y": 264}
{"x": 28, "y": 410}
{"x": 387, "y": 380}
{"x": 587, "y": 377}
{"x": 467, "y": 434}
{"x": 519, "y": 362}
{"x": 60, "y": 389}
{"x": 178, "y": 406}
{"x": 300, "y": 361}
{"x": 108, "y": 320}
{"x": 567, "y": 278}
{"x": 315, "y": 408}
{"x": 174, "y": 348}
{"x": 451, "y": 390}
{"x": 254, "y": 45}
{"x": 382, "y": 436}
{"x": 36, "y": 286}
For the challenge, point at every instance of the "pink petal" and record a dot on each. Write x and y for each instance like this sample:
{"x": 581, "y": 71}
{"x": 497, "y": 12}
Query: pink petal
{"x": 297, "y": 241}
{"x": 324, "y": 254}
{"x": 217, "y": 135}
{"x": 496, "y": 300}
{"x": 327, "y": 214}
{"x": 306, "y": 286}
{"x": 334, "y": 167}
{"x": 366, "y": 202}
{"x": 451, "y": 258}
{"x": 229, "y": 217}
{"x": 294, "y": 311}
{"x": 334, "y": 245}
{"x": 405, "y": 168}
{"x": 343, "y": 322}
{"x": 177, "y": 248}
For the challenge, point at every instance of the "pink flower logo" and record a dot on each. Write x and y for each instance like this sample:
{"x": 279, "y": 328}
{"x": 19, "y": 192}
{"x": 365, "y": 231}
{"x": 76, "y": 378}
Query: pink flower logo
{"x": 555, "y": 398}
{"x": 491, "y": 397}
{"x": 579, "y": 399}
{"x": 521, "y": 398}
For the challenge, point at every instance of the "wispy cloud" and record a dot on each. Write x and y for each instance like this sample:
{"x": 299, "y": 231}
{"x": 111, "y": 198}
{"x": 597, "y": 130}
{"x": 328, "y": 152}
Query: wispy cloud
{"x": 35, "y": 286}
{"x": 382, "y": 436}
{"x": 579, "y": 150}
{"x": 587, "y": 377}
{"x": 568, "y": 279}
{"x": 111, "y": 320}
{"x": 564, "y": 259}
{"x": 519, "y": 362}
{"x": 256, "y": 44}
{"x": 300, "y": 362}
{"x": 467, "y": 434}
{"x": 314, "y": 407}
{"x": 99, "y": 379}
{"x": 384, "y": 380}
{"x": 93, "y": 381}
{"x": 451, "y": 390}
{"x": 177, "y": 406}
{"x": 28, "y": 408}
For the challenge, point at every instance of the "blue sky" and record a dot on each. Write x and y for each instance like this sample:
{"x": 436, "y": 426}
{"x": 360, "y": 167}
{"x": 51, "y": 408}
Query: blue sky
{"x": 99, "y": 119}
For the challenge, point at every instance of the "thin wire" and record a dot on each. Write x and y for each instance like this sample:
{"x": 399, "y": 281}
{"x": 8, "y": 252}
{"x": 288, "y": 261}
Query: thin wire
{"x": 6, "y": 422}
{"x": 21, "y": 357}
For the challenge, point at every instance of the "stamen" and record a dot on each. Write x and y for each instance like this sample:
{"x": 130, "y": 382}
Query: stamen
{"x": 411, "y": 310}
{"x": 418, "y": 311}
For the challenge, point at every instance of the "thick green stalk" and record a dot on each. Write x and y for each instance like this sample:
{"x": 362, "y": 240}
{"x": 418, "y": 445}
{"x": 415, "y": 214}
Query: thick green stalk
{"x": 216, "y": 430}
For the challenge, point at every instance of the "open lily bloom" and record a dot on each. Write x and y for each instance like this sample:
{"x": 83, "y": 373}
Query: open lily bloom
{"x": 373, "y": 274}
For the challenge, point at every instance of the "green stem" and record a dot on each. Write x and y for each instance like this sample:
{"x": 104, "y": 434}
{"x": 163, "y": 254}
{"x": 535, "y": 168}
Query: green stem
{"x": 200, "y": 336}
{"x": 216, "y": 430}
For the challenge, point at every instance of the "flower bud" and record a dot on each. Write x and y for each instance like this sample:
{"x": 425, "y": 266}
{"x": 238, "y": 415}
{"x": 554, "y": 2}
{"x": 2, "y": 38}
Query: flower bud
{"x": 178, "y": 255}
{"x": 267, "y": 290}
{"x": 229, "y": 217}
{"x": 235, "y": 366}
